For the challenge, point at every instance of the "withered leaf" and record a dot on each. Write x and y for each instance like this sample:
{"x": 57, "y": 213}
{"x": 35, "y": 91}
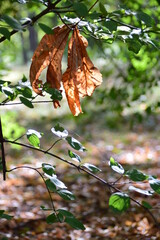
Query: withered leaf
{"x": 81, "y": 76}
{"x": 69, "y": 78}
{"x": 49, "y": 54}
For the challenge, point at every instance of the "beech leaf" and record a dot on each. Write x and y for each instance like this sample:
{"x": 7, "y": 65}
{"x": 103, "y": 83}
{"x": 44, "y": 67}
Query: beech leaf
{"x": 81, "y": 77}
{"x": 49, "y": 54}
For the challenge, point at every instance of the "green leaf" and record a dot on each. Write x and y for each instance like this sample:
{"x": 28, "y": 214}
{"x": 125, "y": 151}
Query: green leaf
{"x": 65, "y": 194}
{"x": 80, "y": 9}
{"x": 50, "y": 185}
{"x": 74, "y": 143}
{"x": 26, "y": 92}
{"x": 116, "y": 166}
{"x": 119, "y": 202}
{"x": 26, "y": 102}
{"x": 59, "y": 131}
{"x": 136, "y": 175}
{"x": 146, "y": 205}
{"x": 65, "y": 213}
{"x": 74, "y": 223}
{"x": 92, "y": 168}
{"x": 133, "y": 45}
{"x": 47, "y": 168}
{"x": 52, "y": 218}
{"x": 145, "y": 18}
{"x": 33, "y": 137}
{"x": 102, "y": 9}
{"x": 111, "y": 25}
{"x": 4, "y": 31}
{"x": 45, "y": 28}
{"x": 55, "y": 93}
{"x": 8, "y": 92}
{"x": 12, "y": 22}
{"x": 74, "y": 156}
{"x": 56, "y": 181}
{"x": 4, "y": 215}
{"x": 71, "y": 220}
{"x": 145, "y": 192}
{"x": 155, "y": 185}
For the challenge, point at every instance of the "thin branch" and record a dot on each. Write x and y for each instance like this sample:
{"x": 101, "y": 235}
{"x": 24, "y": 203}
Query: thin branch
{"x": 53, "y": 145}
{"x": 3, "y": 152}
{"x": 19, "y": 103}
{"x": 51, "y": 7}
{"x": 93, "y": 5}
{"x": 81, "y": 168}
{"x": 35, "y": 169}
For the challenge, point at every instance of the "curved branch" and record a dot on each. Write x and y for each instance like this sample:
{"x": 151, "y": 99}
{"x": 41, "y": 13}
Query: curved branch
{"x": 35, "y": 169}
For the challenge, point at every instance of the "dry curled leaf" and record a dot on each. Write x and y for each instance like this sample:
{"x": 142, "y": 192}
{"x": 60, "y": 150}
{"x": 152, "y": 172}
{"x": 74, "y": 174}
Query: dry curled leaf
{"x": 81, "y": 76}
{"x": 69, "y": 78}
{"x": 49, "y": 54}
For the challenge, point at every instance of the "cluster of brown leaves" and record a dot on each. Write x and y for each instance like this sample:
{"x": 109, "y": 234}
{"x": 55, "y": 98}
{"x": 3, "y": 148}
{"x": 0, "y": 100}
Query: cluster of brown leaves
{"x": 81, "y": 77}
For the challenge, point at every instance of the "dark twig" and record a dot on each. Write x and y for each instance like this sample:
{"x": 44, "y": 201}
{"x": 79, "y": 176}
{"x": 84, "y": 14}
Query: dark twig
{"x": 2, "y": 151}
{"x": 50, "y": 8}
{"x": 53, "y": 145}
{"x": 81, "y": 168}
{"x": 35, "y": 169}
{"x": 19, "y": 103}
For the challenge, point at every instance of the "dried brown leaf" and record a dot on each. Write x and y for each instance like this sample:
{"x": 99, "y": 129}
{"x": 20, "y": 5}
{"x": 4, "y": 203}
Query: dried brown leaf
{"x": 69, "y": 79}
{"x": 88, "y": 77}
{"x": 49, "y": 54}
{"x": 81, "y": 76}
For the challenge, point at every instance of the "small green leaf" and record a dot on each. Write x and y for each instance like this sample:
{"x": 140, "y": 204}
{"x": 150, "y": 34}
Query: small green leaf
{"x": 12, "y": 22}
{"x": 116, "y": 166}
{"x": 146, "y": 205}
{"x": 119, "y": 202}
{"x": 55, "y": 93}
{"x": 26, "y": 102}
{"x": 8, "y": 92}
{"x": 65, "y": 213}
{"x": 56, "y": 181}
{"x": 74, "y": 223}
{"x": 26, "y": 92}
{"x": 92, "y": 168}
{"x": 74, "y": 156}
{"x": 80, "y": 9}
{"x": 65, "y": 194}
{"x": 50, "y": 185}
{"x": 47, "y": 168}
{"x": 4, "y": 215}
{"x": 52, "y": 218}
{"x": 145, "y": 18}
{"x": 133, "y": 45}
{"x": 59, "y": 131}
{"x": 155, "y": 185}
{"x": 102, "y": 9}
{"x": 74, "y": 143}
{"x": 136, "y": 175}
{"x": 111, "y": 25}
{"x": 145, "y": 192}
{"x": 4, "y": 31}
{"x": 33, "y": 137}
{"x": 45, "y": 28}
{"x": 71, "y": 220}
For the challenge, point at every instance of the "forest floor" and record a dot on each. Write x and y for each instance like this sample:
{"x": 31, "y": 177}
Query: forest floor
{"x": 22, "y": 194}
